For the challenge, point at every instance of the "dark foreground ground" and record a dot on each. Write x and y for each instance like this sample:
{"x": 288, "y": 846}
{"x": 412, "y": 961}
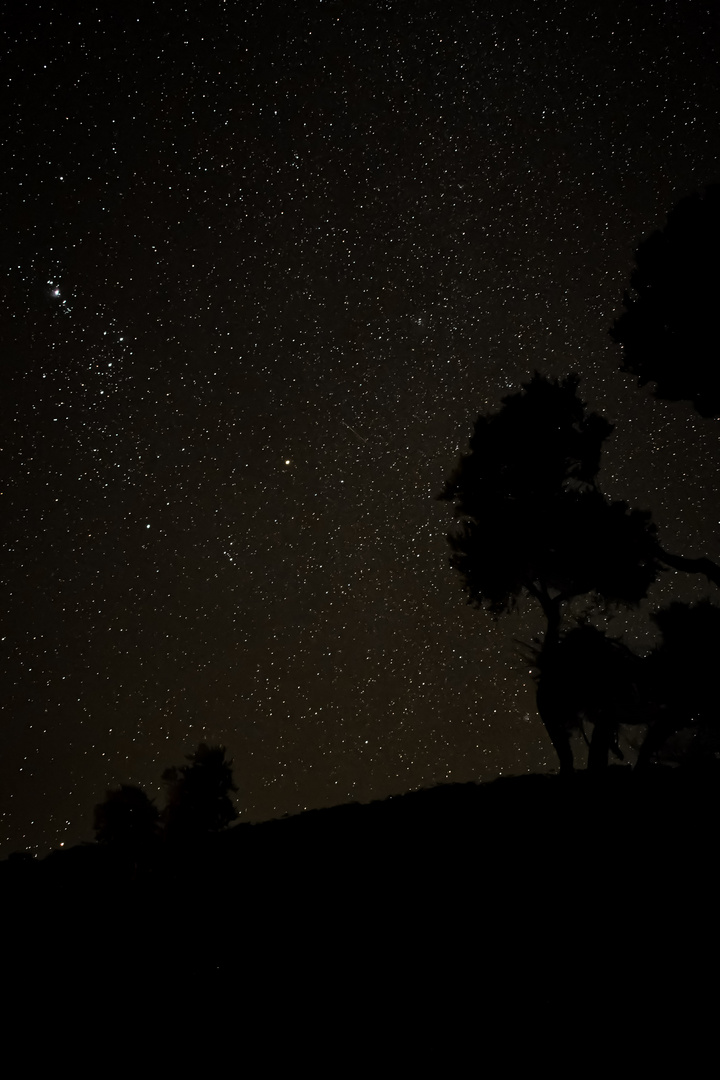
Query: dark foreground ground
{"x": 558, "y": 899}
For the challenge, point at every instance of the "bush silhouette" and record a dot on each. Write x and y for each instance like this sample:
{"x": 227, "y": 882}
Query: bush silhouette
{"x": 592, "y": 678}
{"x": 681, "y": 687}
{"x": 126, "y": 819}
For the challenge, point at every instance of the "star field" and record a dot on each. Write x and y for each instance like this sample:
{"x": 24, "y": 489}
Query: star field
{"x": 264, "y": 266}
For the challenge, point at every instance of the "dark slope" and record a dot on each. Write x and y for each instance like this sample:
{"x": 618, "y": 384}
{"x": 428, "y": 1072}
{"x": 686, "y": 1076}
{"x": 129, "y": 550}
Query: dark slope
{"x": 524, "y": 882}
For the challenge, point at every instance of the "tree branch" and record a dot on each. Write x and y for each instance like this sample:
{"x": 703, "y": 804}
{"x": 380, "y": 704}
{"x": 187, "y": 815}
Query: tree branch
{"x": 710, "y": 569}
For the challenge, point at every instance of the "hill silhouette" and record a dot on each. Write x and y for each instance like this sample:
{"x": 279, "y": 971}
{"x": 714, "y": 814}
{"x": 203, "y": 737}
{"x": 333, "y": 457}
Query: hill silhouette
{"x": 530, "y": 872}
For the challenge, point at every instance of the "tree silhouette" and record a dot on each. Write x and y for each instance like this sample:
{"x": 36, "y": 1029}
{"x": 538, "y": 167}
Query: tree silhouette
{"x": 533, "y": 523}
{"x": 199, "y": 794}
{"x": 680, "y": 685}
{"x": 592, "y": 678}
{"x": 668, "y": 330}
{"x": 127, "y": 822}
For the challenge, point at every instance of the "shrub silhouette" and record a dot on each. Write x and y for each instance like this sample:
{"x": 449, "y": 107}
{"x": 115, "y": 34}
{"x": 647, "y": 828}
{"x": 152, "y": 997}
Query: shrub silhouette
{"x": 681, "y": 686}
{"x": 592, "y": 678}
{"x": 127, "y": 819}
{"x": 127, "y": 826}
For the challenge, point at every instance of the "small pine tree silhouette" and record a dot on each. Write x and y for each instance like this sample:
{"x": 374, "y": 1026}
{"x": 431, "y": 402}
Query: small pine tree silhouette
{"x": 199, "y": 794}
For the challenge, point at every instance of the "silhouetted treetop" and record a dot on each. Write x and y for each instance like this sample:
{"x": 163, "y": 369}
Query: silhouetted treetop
{"x": 531, "y": 516}
{"x": 541, "y": 442}
{"x": 127, "y": 818}
{"x": 669, "y": 329}
{"x": 199, "y": 794}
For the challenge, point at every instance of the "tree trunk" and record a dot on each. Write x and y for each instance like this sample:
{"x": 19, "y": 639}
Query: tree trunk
{"x": 600, "y": 745}
{"x": 710, "y": 569}
{"x": 549, "y": 701}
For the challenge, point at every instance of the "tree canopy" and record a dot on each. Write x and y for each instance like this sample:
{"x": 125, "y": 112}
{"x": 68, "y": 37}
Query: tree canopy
{"x": 669, "y": 330}
{"x": 199, "y": 794}
{"x": 532, "y": 520}
{"x": 126, "y": 819}
{"x": 533, "y": 523}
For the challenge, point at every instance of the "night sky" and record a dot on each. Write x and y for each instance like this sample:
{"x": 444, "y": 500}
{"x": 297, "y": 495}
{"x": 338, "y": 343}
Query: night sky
{"x": 264, "y": 264}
